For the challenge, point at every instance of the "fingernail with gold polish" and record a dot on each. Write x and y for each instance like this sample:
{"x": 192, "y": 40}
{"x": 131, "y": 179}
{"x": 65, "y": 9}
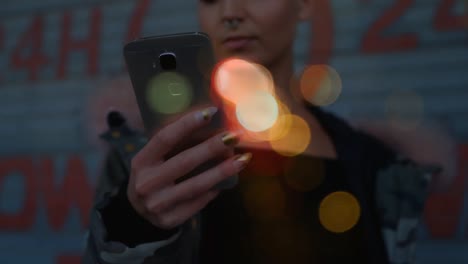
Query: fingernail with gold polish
{"x": 207, "y": 113}
{"x": 230, "y": 139}
{"x": 242, "y": 160}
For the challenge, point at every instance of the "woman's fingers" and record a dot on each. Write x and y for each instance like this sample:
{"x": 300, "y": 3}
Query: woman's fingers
{"x": 168, "y": 137}
{"x": 161, "y": 201}
{"x": 152, "y": 188}
{"x": 186, "y": 161}
{"x": 207, "y": 180}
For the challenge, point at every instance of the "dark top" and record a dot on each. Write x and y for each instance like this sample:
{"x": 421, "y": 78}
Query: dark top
{"x": 277, "y": 212}
{"x": 272, "y": 215}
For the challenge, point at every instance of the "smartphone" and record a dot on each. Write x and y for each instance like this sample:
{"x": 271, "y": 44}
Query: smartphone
{"x": 171, "y": 74}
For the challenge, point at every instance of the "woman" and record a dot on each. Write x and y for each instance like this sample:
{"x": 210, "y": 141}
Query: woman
{"x": 146, "y": 218}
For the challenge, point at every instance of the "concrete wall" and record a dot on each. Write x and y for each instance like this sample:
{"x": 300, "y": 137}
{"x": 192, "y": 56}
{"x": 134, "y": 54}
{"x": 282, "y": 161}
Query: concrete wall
{"x": 54, "y": 54}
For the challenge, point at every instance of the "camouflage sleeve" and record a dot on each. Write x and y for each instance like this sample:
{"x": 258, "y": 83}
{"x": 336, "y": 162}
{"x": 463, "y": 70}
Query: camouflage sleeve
{"x": 401, "y": 191}
{"x": 179, "y": 248}
{"x": 100, "y": 250}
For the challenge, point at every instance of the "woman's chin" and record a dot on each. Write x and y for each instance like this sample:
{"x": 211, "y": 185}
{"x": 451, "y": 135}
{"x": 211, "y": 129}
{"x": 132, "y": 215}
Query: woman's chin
{"x": 247, "y": 55}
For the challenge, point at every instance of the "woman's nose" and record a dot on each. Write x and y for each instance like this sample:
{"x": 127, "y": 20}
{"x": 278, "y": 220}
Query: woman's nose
{"x": 233, "y": 9}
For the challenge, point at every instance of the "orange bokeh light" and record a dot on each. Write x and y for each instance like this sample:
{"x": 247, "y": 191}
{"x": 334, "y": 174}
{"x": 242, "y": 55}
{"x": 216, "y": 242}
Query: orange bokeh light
{"x": 320, "y": 85}
{"x": 296, "y": 139}
{"x": 236, "y": 79}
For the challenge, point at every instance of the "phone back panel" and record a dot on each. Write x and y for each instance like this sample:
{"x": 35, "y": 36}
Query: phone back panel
{"x": 160, "y": 92}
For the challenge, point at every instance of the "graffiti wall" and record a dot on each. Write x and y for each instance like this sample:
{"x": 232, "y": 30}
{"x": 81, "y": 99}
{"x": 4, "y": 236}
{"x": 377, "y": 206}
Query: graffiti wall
{"x": 54, "y": 54}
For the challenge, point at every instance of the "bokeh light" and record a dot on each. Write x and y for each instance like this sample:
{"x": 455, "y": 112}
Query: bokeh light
{"x": 169, "y": 93}
{"x": 320, "y": 85}
{"x": 286, "y": 241}
{"x": 264, "y": 198}
{"x": 404, "y": 109}
{"x": 278, "y": 130}
{"x": 282, "y": 125}
{"x": 339, "y": 212}
{"x": 263, "y": 79}
{"x": 236, "y": 79}
{"x": 304, "y": 174}
{"x": 115, "y": 134}
{"x": 296, "y": 139}
{"x": 257, "y": 112}
{"x": 129, "y": 147}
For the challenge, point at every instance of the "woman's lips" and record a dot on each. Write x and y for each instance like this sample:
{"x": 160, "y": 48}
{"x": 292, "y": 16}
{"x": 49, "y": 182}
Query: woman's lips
{"x": 237, "y": 43}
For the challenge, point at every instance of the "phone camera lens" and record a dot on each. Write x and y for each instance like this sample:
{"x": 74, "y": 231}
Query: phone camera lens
{"x": 168, "y": 61}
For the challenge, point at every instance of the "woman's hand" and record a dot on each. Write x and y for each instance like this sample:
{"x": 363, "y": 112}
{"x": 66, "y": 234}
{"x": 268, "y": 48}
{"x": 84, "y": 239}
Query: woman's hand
{"x": 152, "y": 190}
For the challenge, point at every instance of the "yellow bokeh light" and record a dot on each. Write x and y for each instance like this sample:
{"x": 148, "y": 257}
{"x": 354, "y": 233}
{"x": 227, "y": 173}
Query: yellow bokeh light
{"x": 281, "y": 128}
{"x": 169, "y": 93}
{"x": 236, "y": 79}
{"x": 129, "y": 147}
{"x": 296, "y": 139}
{"x": 282, "y": 124}
{"x": 116, "y": 134}
{"x": 291, "y": 238}
{"x": 339, "y": 212}
{"x": 257, "y": 112}
{"x": 264, "y": 198}
{"x": 320, "y": 85}
{"x": 405, "y": 110}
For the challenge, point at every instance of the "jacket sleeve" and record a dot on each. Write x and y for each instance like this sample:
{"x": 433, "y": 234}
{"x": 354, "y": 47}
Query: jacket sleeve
{"x": 117, "y": 234}
{"x": 401, "y": 191}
